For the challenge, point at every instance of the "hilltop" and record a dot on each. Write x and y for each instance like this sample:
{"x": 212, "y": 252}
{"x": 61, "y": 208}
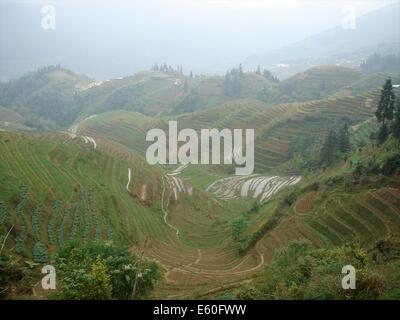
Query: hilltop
{"x": 314, "y": 83}
{"x": 54, "y": 98}
{"x": 45, "y": 98}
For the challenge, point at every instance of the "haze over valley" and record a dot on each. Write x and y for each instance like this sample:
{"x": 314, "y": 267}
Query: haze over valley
{"x": 299, "y": 106}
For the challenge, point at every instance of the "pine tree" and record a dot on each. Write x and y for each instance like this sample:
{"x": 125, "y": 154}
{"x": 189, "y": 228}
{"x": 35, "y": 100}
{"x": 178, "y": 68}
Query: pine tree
{"x": 258, "y": 71}
{"x": 383, "y": 133}
{"x": 396, "y": 121}
{"x": 240, "y": 70}
{"x": 328, "y": 150}
{"x": 343, "y": 138}
{"x": 227, "y": 86}
{"x": 384, "y": 112}
{"x": 268, "y": 75}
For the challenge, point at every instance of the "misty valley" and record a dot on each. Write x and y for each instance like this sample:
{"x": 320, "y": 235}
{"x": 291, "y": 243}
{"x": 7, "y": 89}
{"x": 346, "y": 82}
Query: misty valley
{"x": 200, "y": 151}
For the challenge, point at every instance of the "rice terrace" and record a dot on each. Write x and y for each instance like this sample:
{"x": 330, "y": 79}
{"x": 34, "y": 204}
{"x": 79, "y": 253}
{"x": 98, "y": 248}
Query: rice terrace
{"x": 259, "y": 178}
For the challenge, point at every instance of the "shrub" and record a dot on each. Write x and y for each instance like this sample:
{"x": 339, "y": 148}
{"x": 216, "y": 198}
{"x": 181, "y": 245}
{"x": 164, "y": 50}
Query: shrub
{"x": 52, "y": 222}
{"x": 249, "y": 293}
{"x": 75, "y": 262}
{"x": 290, "y": 198}
{"x": 3, "y": 213}
{"x": 108, "y": 228}
{"x": 383, "y": 133}
{"x": 267, "y": 226}
{"x": 19, "y": 240}
{"x": 300, "y": 272}
{"x": 10, "y": 273}
{"x": 95, "y": 222}
{"x": 311, "y": 187}
{"x": 239, "y": 225}
{"x": 94, "y": 284}
{"x": 75, "y": 222}
{"x": 255, "y": 207}
{"x": 62, "y": 227}
{"x": 391, "y": 164}
{"x": 386, "y": 249}
{"x": 86, "y": 224}
{"x": 19, "y": 210}
{"x": 39, "y": 253}
{"x": 37, "y": 212}
{"x": 334, "y": 180}
{"x": 370, "y": 285}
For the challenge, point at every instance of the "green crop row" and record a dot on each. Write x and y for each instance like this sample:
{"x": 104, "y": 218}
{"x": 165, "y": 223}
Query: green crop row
{"x": 19, "y": 210}
{"x": 52, "y": 222}
{"x": 95, "y": 222}
{"x": 39, "y": 252}
{"x": 86, "y": 224}
{"x": 75, "y": 222}
{"x": 61, "y": 229}
{"x": 36, "y": 222}
{"x": 3, "y": 213}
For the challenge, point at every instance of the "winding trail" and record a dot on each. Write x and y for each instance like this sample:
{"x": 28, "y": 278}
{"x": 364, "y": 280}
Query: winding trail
{"x": 177, "y": 186}
{"x": 72, "y": 135}
{"x": 129, "y": 179}
{"x": 199, "y": 256}
{"x": 226, "y": 272}
{"x": 90, "y": 140}
{"x": 165, "y": 211}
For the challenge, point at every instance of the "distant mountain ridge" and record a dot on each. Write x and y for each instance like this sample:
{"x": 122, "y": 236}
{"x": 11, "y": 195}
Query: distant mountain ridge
{"x": 378, "y": 31}
{"x": 54, "y": 98}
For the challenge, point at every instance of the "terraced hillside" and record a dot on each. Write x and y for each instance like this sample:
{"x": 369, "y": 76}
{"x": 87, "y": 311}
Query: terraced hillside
{"x": 315, "y": 83}
{"x": 372, "y": 81}
{"x": 363, "y": 131}
{"x": 69, "y": 190}
{"x": 275, "y": 126}
{"x": 255, "y": 186}
{"x": 327, "y": 218}
{"x": 11, "y": 120}
{"x": 207, "y": 251}
{"x": 54, "y": 98}
{"x": 55, "y": 188}
{"x": 209, "y": 230}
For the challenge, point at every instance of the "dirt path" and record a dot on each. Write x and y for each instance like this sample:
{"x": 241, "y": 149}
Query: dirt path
{"x": 199, "y": 256}
{"x": 165, "y": 211}
{"x": 143, "y": 192}
{"x": 227, "y": 272}
{"x": 129, "y": 179}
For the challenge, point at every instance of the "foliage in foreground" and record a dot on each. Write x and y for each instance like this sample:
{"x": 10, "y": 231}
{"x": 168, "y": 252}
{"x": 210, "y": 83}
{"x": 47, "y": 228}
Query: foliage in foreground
{"x": 11, "y": 274}
{"x": 300, "y": 272}
{"x": 103, "y": 271}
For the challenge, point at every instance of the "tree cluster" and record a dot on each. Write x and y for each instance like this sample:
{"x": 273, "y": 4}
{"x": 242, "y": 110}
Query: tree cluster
{"x": 233, "y": 85}
{"x": 103, "y": 271}
{"x": 387, "y": 114}
{"x": 379, "y": 63}
{"x": 336, "y": 142}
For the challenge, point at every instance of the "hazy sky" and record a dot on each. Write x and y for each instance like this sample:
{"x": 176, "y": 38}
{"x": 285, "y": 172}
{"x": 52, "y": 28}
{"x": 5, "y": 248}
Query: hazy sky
{"x": 113, "y": 38}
